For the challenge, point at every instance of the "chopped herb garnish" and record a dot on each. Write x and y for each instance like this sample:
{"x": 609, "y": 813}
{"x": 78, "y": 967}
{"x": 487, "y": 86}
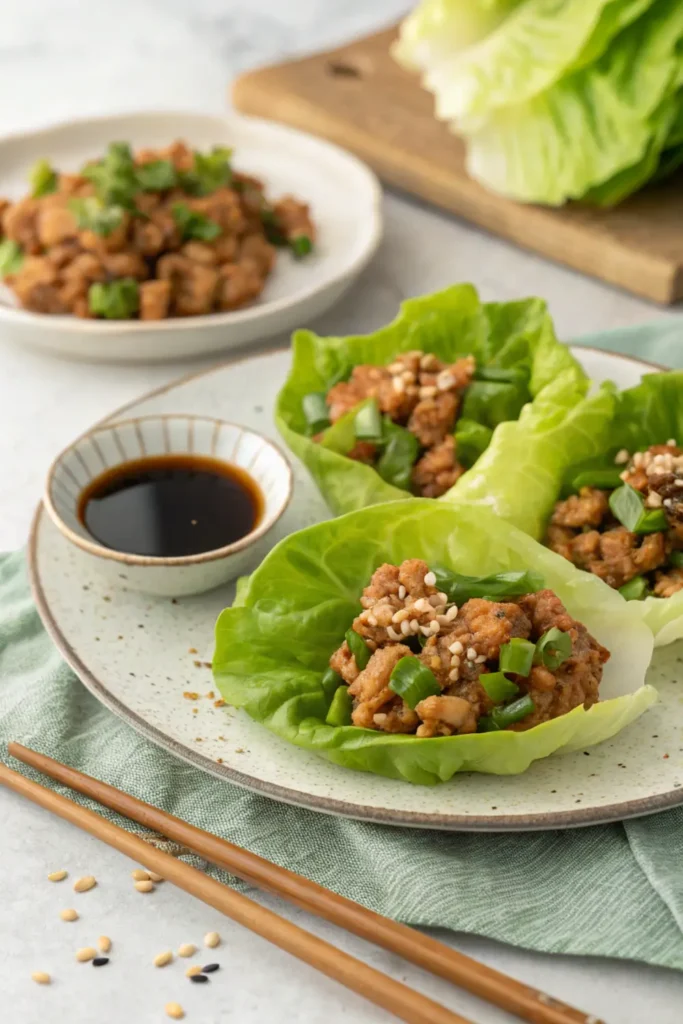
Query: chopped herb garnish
{"x": 315, "y": 412}
{"x": 157, "y": 176}
{"x": 603, "y": 479}
{"x": 358, "y": 647}
{"x": 193, "y": 224}
{"x": 114, "y": 300}
{"x": 301, "y": 245}
{"x": 553, "y": 648}
{"x": 330, "y": 681}
{"x": 514, "y": 712}
{"x": 400, "y": 453}
{"x": 498, "y": 687}
{"x": 43, "y": 179}
{"x": 92, "y": 215}
{"x": 11, "y": 257}
{"x": 368, "y": 423}
{"x": 460, "y": 588}
{"x": 413, "y": 681}
{"x": 210, "y": 171}
{"x": 339, "y": 711}
{"x": 114, "y": 177}
{"x": 517, "y": 656}
{"x": 635, "y": 590}
{"x": 628, "y": 506}
{"x": 272, "y": 227}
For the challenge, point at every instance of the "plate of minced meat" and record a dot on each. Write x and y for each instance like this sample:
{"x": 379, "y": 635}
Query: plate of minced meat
{"x": 154, "y": 236}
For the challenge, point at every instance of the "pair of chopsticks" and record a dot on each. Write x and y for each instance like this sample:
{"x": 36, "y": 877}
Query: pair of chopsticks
{"x": 405, "y": 1003}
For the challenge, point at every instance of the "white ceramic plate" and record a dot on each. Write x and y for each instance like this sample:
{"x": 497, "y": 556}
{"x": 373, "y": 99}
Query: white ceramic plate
{"x": 134, "y": 653}
{"x": 345, "y": 199}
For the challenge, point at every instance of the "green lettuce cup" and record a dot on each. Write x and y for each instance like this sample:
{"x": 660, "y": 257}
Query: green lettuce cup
{"x": 648, "y": 414}
{"x": 274, "y": 644}
{"x": 517, "y": 337}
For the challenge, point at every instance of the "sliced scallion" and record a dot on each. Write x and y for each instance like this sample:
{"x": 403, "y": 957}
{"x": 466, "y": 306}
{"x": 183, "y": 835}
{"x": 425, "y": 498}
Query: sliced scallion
{"x": 413, "y": 681}
{"x": 339, "y": 711}
{"x": 603, "y": 479}
{"x": 517, "y": 656}
{"x": 553, "y": 648}
{"x": 514, "y": 712}
{"x": 358, "y": 647}
{"x": 460, "y": 588}
{"x": 498, "y": 687}
{"x": 368, "y": 423}
{"x": 635, "y": 590}
{"x": 628, "y": 506}
{"x": 301, "y": 246}
{"x": 315, "y": 412}
{"x": 330, "y": 681}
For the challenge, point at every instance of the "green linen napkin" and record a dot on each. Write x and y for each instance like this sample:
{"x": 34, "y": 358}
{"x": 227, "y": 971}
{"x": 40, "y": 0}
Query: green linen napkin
{"x": 613, "y": 890}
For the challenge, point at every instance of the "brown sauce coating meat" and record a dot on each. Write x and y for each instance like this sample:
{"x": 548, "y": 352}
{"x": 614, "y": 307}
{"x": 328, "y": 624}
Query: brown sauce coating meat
{"x": 460, "y": 645}
{"x": 218, "y": 259}
{"x": 583, "y": 529}
{"x": 422, "y": 394}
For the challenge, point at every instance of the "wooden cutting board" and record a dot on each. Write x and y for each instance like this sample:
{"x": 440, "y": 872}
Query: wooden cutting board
{"x": 358, "y": 97}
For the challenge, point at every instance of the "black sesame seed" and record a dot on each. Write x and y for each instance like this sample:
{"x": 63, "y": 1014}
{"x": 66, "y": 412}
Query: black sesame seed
{"x": 100, "y": 961}
{"x": 210, "y": 968}
{"x": 199, "y": 978}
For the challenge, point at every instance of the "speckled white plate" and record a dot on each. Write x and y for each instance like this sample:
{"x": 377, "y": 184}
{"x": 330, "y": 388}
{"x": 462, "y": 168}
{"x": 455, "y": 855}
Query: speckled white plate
{"x": 345, "y": 198}
{"x": 139, "y": 655}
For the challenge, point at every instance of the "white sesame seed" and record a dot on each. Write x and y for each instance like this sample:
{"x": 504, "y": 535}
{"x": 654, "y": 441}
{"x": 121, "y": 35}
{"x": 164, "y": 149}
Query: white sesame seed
{"x": 395, "y": 368}
{"x": 41, "y": 977}
{"x": 671, "y": 442}
{"x": 414, "y": 626}
{"x": 455, "y": 660}
{"x": 434, "y": 626}
{"x": 68, "y": 914}
{"x": 430, "y": 579}
{"x": 434, "y": 600}
{"x": 405, "y": 627}
{"x": 654, "y": 500}
{"x": 392, "y": 634}
{"x": 379, "y": 719}
{"x": 104, "y": 943}
{"x": 452, "y": 612}
{"x": 193, "y": 970}
{"x": 144, "y": 885}
{"x": 428, "y": 391}
{"x": 401, "y": 593}
{"x": 85, "y": 883}
{"x": 161, "y": 959}
{"x": 212, "y": 939}
{"x": 400, "y": 615}
{"x": 668, "y": 503}
{"x": 456, "y": 647}
{"x": 444, "y": 598}
{"x": 174, "y": 1010}
{"x": 454, "y": 674}
{"x": 471, "y": 653}
{"x": 85, "y": 954}
{"x": 480, "y": 660}
{"x": 445, "y": 380}
{"x": 426, "y": 630}
{"x": 638, "y": 459}
{"x": 624, "y": 475}
{"x": 57, "y": 876}
{"x": 428, "y": 361}
{"x": 421, "y": 605}
{"x": 398, "y": 385}
{"x": 187, "y": 949}
{"x": 622, "y": 457}
{"x": 442, "y": 620}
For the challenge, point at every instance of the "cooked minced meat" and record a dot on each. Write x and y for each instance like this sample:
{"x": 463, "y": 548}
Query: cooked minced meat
{"x": 404, "y": 615}
{"x": 421, "y": 393}
{"x": 584, "y": 530}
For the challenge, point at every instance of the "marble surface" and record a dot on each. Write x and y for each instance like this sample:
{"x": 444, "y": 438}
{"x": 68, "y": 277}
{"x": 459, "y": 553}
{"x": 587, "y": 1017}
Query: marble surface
{"x": 62, "y": 59}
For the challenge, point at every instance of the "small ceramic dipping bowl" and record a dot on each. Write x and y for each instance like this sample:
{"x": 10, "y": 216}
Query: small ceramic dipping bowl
{"x": 104, "y": 448}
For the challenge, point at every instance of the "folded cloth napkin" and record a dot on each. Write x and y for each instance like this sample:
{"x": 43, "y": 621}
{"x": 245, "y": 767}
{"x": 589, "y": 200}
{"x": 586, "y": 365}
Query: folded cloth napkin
{"x": 613, "y": 890}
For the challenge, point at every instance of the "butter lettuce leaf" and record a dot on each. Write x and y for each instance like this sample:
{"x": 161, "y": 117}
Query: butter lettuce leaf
{"x": 450, "y": 323}
{"x": 273, "y": 645}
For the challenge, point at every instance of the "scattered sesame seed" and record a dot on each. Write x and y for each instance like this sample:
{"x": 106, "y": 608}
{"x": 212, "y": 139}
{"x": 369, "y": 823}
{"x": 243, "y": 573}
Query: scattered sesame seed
{"x": 379, "y": 719}
{"x": 210, "y": 968}
{"x": 435, "y": 600}
{"x": 174, "y": 1010}
{"x": 401, "y": 593}
{"x": 425, "y": 630}
{"x": 85, "y": 883}
{"x": 161, "y": 959}
{"x": 100, "y": 961}
{"x": 445, "y": 380}
{"x": 622, "y": 457}
{"x": 41, "y": 977}
{"x": 454, "y": 674}
{"x": 194, "y": 969}
{"x": 668, "y": 503}
{"x": 395, "y": 368}
{"x": 456, "y": 647}
{"x": 471, "y": 653}
{"x": 400, "y": 615}
{"x": 212, "y": 939}
{"x": 104, "y": 943}
{"x": 434, "y": 627}
{"x": 414, "y": 626}
{"x": 155, "y": 877}
{"x": 139, "y": 875}
{"x": 146, "y": 885}
{"x": 57, "y": 876}
{"x": 480, "y": 660}
{"x": 443, "y": 598}
{"x": 671, "y": 442}
{"x": 85, "y": 954}
{"x": 68, "y": 915}
{"x": 421, "y": 605}
{"x": 452, "y": 612}
{"x": 405, "y": 627}
{"x": 392, "y": 634}
{"x": 430, "y": 579}
{"x": 455, "y": 660}
{"x": 398, "y": 384}
{"x": 187, "y": 949}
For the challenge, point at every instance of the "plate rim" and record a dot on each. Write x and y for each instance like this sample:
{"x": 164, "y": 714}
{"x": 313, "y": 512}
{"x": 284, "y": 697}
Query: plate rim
{"x": 250, "y": 313}
{"x": 620, "y": 811}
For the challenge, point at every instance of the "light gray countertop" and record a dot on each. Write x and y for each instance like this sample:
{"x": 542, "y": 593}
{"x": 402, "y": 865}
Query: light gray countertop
{"x": 64, "y": 59}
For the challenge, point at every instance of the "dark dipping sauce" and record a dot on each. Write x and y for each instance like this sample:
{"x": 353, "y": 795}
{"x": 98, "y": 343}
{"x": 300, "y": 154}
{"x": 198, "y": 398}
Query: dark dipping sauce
{"x": 168, "y": 506}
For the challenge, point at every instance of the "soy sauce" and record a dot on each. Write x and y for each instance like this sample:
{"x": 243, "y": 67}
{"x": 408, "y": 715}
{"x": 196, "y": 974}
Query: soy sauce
{"x": 167, "y": 506}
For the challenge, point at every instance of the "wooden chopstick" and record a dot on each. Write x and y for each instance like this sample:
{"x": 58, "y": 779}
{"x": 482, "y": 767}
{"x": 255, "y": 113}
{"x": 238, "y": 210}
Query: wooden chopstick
{"x": 514, "y": 996}
{"x": 405, "y": 1003}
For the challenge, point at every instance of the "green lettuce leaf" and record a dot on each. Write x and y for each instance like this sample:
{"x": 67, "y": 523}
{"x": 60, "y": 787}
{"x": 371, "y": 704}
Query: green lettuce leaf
{"x": 450, "y": 324}
{"x": 528, "y": 151}
{"x": 273, "y": 645}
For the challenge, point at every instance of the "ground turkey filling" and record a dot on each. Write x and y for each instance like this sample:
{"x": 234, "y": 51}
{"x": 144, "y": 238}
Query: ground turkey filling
{"x": 421, "y": 393}
{"x": 583, "y": 529}
{"x": 403, "y": 603}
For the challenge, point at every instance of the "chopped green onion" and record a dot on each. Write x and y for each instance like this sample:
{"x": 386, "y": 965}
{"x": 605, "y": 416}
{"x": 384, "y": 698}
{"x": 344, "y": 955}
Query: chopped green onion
{"x": 460, "y": 588}
{"x": 193, "y": 224}
{"x": 501, "y": 375}
{"x": 603, "y": 479}
{"x": 301, "y": 245}
{"x": 498, "y": 687}
{"x": 114, "y": 300}
{"x": 210, "y": 171}
{"x": 628, "y": 506}
{"x": 315, "y": 411}
{"x": 114, "y": 177}
{"x": 635, "y": 590}
{"x": 399, "y": 456}
{"x": 368, "y": 423}
{"x": 517, "y": 656}
{"x": 471, "y": 440}
{"x": 92, "y": 215}
{"x": 330, "y": 681}
{"x": 11, "y": 257}
{"x": 339, "y": 712}
{"x": 43, "y": 179}
{"x": 358, "y": 647}
{"x": 511, "y": 713}
{"x": 676, "y": 559}
{"x": 553, "y": 648}
{"x": 413, "y": 681}
{"x": 156, "y": 176}
{"x": 272, "y": 227}
{"x": 486, "y": 724}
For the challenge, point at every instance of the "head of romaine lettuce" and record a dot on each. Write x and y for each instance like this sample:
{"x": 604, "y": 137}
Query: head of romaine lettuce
{"x": 450, "y": 324}
{"x": 273, "y": 645}
{"x": 543, "y": 462}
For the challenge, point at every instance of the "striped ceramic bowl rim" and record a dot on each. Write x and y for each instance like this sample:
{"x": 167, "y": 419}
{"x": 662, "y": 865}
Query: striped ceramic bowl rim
{"x": 105, "y": 447}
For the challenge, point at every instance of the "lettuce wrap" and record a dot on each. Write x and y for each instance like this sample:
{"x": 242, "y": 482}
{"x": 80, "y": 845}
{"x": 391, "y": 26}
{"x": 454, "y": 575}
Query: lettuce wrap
{"x": 650, "y": 413}
{"x": 273, "y": 645}
{"x": 452, "y": 323}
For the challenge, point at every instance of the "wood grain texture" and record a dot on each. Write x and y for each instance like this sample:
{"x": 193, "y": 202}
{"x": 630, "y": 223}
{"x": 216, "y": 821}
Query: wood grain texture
{"x": 358, "y": 97}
